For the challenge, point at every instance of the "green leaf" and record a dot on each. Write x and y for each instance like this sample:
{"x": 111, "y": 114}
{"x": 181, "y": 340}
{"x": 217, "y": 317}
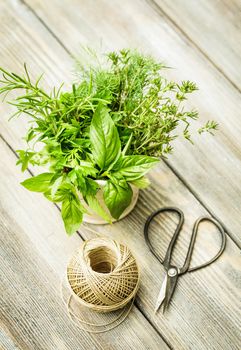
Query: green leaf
{"x": 72, "y": 215}
{"x": 78, "y": 180}
{"x": 66, "y": 191}
{"x": 209, "y": 127}
{"x": 92, "y": 187}
{"x": 39, "y": 183}
{"x": 81, "y": 183}
{"x": 24, "y": 158}
{"x": 104, "y": 138}
{"x": 86, "y": 168}
{"x": 134, "y": 167}
{"x": 127, "y": 146}
{"x": 30, "y": 135}
{"x": 117, "y": 196}
{"x": 56, "y": 185}
{"x": 142, "y": 182}
{"x": 95, "y": 205}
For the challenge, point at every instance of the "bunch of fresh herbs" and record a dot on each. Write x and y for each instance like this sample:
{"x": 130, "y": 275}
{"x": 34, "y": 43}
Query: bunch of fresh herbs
{"x": 112, "y": 125}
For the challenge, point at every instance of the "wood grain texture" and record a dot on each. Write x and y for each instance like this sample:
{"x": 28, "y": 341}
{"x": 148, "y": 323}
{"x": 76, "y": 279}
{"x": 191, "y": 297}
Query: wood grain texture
{"x": 214, "y": 27}
{"x": 200, "y": 316}
{"x": 44, "y": 240}
{"x": 33, "y": 256}
{"x": 202, "y": 298}
{"x": 212, "y": 169}
{"x": 6, "y": 339}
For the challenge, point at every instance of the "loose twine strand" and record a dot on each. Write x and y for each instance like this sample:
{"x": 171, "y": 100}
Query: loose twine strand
{"x": 103, "y": 276}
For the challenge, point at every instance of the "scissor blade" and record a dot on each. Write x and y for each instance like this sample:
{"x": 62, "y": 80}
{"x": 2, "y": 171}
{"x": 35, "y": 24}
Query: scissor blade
{"x": 162, "y": 294}
{"x": 170, "y": 287}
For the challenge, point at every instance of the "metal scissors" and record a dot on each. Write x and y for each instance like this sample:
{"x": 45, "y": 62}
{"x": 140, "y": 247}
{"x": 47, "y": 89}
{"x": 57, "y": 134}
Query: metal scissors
{"x": 172, "y": 272}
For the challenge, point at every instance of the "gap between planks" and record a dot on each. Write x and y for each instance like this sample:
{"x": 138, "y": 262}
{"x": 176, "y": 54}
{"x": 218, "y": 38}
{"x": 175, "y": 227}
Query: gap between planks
{"x": 193, "y": 192}
{"x": 47, "y": 27}
{"x": 83, "y": 239}
{"x": 61, "y": 45}
{"x": 156, "y": 7}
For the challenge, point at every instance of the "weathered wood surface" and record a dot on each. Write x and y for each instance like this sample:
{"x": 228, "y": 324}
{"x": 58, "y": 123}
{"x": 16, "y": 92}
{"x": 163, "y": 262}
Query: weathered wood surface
{"x": 33, "y": 257}
{"x": 211, "y": 169}
{"x": 214, "y": 27}
{"x": 38, "y": 321}
{"x": 46, "y": 250}
{"x": 200, "y": 315}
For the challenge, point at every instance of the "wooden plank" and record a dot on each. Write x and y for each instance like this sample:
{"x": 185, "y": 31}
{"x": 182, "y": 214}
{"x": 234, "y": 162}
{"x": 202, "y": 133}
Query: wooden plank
{"x": 212, "y": 169}
{"x": 214, "y": 27}
{"x": 25, "y": 25}
{"x": 33, "y": 256}
{"x": 6, "y": 340}
{"x": 204, "y": 297}
{"x": 196, "y": 302}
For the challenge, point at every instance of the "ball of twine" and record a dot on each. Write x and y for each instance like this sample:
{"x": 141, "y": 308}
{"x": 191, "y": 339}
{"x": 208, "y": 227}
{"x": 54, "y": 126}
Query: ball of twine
{"x": 103, "y": 275}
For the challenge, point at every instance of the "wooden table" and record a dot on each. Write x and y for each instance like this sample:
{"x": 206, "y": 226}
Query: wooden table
{"x": 202, "y": 40}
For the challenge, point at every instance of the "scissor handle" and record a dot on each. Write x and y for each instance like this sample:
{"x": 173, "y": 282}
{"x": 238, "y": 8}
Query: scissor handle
{"x": 167, "y": 258}
{"x": 186, "y": 265}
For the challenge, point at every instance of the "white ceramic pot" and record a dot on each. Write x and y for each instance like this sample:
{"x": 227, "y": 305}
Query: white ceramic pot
{"x": 93, "y": 218}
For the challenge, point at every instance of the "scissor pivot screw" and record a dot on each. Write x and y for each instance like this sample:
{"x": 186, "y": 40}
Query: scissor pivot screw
{"x": 172, "y": 272}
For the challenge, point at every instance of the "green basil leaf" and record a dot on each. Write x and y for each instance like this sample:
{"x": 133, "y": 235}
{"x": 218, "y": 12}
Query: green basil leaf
{"x": 142, "y": 182}
{"x": 39, "y": 183}
{"x": 94, "y": 204}
{"x": 134, "y": 167}
{"x": 56, "y": 185}
{"x": 72, "y": 215}
{"x": 117, "y": 196}
{"x": 104, "y": 138}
